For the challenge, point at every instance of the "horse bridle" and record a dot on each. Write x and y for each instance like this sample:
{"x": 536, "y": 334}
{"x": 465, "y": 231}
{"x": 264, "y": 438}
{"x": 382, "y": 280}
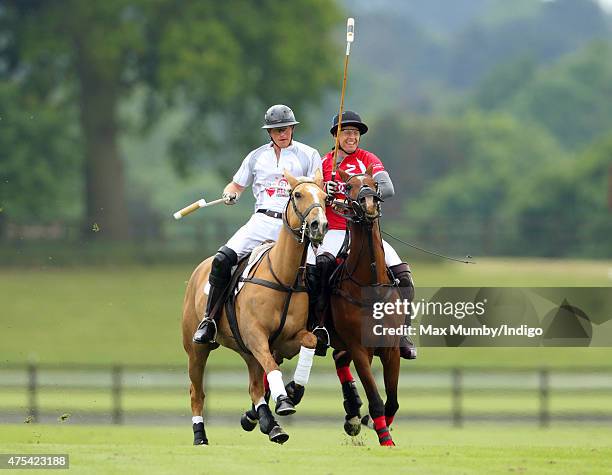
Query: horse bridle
{"x": 357, "y": 213}
{"x": 299, "y": 233}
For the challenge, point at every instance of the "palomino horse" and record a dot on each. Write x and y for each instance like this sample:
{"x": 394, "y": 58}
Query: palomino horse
{"x": 363, "y": 275}
{"x": 269, "y": 301}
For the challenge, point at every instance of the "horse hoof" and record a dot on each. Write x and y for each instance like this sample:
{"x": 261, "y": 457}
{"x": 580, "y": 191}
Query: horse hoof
{"x": 352, "y": 426}
{"x": 200, "y": 441}
{"x": 278, "y": 435}
{"x": 295, "y": 392}
{"x": 284, "y": 406}
{"x": 247, "y": 423}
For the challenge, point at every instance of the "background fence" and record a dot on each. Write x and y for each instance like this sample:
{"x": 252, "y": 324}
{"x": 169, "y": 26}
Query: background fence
{"x": 159, "y": 394}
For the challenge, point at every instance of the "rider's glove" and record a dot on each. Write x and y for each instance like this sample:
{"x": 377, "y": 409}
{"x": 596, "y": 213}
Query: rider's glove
{"x": 230, "y": 198}
{"x": 331, "y": 188}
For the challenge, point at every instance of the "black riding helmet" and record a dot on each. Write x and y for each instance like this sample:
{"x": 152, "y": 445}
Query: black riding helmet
{"x": 349, "y": 118}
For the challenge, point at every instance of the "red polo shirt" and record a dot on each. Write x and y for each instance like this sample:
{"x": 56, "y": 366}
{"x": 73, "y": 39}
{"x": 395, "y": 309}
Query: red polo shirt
{"x": 353, "y": 164}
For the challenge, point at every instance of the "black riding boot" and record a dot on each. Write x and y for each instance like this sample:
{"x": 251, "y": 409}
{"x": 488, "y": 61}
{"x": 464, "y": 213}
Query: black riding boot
{"x": 220, "y": 275}
{"x": 312, "y": 286}
{"x": 325, "y": 267}
{"x": 401, "y": 272}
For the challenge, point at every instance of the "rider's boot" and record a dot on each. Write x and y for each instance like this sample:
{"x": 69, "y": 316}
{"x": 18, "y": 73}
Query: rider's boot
{"x": 325, "y": 267}
{"x": 220, "y": 275}
{"x": 402, "y": 273}
{"x": 312, "y": 286}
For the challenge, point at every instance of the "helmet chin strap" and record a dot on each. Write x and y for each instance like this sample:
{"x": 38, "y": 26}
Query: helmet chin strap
{"x": 290, "y": 141}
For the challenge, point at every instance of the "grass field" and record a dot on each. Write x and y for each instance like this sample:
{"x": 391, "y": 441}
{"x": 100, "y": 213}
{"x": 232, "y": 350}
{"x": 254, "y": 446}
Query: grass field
{"x": 422, "y": 450}
{"x": 132, "y": 314}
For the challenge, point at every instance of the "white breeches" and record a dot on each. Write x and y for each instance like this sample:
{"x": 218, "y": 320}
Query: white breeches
{"x": 258, "y": 229}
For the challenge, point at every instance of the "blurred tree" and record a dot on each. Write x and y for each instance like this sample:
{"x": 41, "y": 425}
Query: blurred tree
{"x": 458, "y": 177}
{"x": 499, "y": 87}
{"x": 570, "y": 215}
{"x": 566, "y": 97}
{"x": 570, "y": 98}
{"x": 39, "y": 185}
{"x": 224, "y": 62}
{"x": 558, "y": 28}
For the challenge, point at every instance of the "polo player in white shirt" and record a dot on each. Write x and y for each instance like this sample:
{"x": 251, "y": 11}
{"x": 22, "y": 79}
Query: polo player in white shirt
{"x": 263, "y": 169}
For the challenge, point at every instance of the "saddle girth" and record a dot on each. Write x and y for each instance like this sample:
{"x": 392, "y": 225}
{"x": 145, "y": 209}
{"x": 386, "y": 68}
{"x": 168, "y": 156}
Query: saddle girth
{"x": 230, "y": 305}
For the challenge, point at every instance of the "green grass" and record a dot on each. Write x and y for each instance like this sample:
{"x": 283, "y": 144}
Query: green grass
{"x": 421, "y": 449}
{"x": 132, "y": 314}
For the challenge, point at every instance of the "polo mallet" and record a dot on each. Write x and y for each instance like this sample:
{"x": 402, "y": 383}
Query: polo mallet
{"x": 195, "y": 206}
{"x": 350, "y": 36}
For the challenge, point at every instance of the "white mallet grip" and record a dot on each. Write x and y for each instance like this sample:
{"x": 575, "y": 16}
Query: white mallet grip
{"x": 350, "y": 30}
{"x": 350, "y": 34}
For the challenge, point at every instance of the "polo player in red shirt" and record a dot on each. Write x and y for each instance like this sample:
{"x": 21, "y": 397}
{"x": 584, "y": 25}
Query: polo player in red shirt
{"x": 353, "y": 160}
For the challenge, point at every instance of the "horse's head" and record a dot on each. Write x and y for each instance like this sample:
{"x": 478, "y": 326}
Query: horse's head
{"x": 361, "y": 194}
{"x": 305, "y": 212}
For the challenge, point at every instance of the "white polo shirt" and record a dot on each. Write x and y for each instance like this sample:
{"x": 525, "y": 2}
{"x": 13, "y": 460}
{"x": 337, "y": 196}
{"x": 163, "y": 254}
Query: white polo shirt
{"x": 261, "y": 169}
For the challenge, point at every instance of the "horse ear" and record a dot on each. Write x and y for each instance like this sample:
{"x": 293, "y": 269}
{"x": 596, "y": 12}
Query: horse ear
{"x": 369, "y": 169}
{"x": 318, "y": 178}
{"x": 345, "y": 176}
{"x": 290, "y": 178}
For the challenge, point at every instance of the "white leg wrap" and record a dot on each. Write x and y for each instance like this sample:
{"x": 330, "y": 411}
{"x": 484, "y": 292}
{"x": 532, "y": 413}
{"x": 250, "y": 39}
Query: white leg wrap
{"x": 197, "y": 419}
{"x": 277, "y": 388}
{"x": 302, "y": 370}
{"x": 261, "y": 402}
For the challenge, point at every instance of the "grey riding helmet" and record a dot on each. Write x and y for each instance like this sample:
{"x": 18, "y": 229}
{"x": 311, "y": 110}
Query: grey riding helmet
{"x": 279, "y": 116}
{"x": 349, "y": 118}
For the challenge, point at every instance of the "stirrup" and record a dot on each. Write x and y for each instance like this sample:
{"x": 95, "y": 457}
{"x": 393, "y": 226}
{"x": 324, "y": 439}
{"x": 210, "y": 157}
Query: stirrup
{"x": 206, "y": 321}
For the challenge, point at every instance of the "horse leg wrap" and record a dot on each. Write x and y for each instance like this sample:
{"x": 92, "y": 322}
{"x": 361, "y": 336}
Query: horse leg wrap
{"x": 248, "y": 421}
{"x": 199, "y": 434}
{"x": 295, "y": 392}
{"x": 302, "y": 370}
{"x": 352, "y": 401}
{"x": 266, "y": 419}
{"x": 384, "y": 437}
{"x": 275, "y": 380}
{"x": 344, "y": 374}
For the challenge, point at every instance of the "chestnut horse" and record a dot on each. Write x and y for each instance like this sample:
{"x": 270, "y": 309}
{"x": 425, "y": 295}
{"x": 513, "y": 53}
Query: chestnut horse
{"x": 363, "y": 277}
{"x": 271, "y": 299}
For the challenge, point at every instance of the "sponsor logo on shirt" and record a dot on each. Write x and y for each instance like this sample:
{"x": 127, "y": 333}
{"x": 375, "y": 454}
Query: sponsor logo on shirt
{"x": 351, "y": 168}
{"x": 278, "y": 188}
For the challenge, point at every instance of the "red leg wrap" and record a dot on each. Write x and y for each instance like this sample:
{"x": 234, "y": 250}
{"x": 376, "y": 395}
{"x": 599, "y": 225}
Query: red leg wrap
{"x": 344, "y": 374}
{"x": 384, "y": 437}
